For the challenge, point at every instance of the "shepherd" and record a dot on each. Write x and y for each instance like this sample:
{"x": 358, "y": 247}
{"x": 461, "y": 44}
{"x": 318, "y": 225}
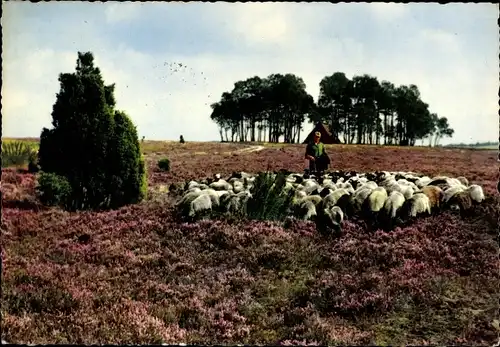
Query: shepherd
{"x": 316, "y": 154}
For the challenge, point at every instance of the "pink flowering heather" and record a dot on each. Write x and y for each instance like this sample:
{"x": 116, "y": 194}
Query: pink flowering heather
{"x": 137, "y": 275}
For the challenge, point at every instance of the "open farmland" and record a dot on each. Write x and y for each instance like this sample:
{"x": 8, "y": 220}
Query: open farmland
{"x": 135, "y": 275}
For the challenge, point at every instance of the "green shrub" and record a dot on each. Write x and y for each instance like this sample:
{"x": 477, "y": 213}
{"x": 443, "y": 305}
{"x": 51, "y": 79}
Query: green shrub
{"x": 16, "y": 153}
{"x": 164, "y": 164}
{"x": 91, "y": 144}
{"x": 269, "y": 201}
{"x": 129, "y": 183}
{"x": 53, "y": 190}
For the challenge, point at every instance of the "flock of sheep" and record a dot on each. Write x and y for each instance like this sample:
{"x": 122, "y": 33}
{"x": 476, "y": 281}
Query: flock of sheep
{"x": 382, "y": 197}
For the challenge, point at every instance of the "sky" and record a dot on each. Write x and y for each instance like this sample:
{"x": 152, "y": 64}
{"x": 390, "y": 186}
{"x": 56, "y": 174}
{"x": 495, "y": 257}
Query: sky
{"x": 449, "y": 51}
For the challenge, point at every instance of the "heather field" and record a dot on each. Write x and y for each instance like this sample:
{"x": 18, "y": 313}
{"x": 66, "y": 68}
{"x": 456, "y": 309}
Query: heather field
{"x": 135, "y": 275}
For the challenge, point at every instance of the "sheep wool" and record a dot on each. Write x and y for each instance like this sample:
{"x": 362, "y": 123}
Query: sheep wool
{"x": 310, "y": 185}
{"x": 299, "y": 195}
{"x": 337, "y": 214}
{"x": 188, "y": 198}
{"x": 221, "y": 193}
{"x": 464, "y": 181}
{"x": 221, "y": 185}
{"x": 212, "y": 194}
{"x": 476, "y": 193}
{"x": 407, "y": 192}
{"x": 422, "y": 181}
{"x": 418, "y": 204}
{"x": 315, "y": 199}
{"x": 330, "y": 217}
{"x": 394, "y": 202}
{"x": 237, "y": 188}
{"x": 200, "y": 204}
{"x": 376, "y": 199}
{"x": 192, "y": 184}
{"x": 450, "y": 192}
{"x": 331, "y": 199}
{"x": 370, "y": 184}
{"x": 330, "y": 185}
{"x": 435, "y": 195}
{"x": 360, "y": 196}
{"x": 307, "y": 210}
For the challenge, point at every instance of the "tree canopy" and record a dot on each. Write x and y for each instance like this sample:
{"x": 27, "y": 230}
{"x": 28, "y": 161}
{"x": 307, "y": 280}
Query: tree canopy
{"x": 360, "y": 110}
{"x": 91, "y": 145}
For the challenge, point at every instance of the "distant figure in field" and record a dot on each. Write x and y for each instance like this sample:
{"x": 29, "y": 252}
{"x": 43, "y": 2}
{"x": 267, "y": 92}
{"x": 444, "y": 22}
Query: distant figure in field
{"x": 182, "y": 139}
{"x": 316, "y": 154}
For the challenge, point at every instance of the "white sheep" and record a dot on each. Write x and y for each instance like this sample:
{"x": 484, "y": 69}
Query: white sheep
{"x": 330, "y": 218}
{"x": 234, "y": 179}
{"x": 310, "y": 185}
{"x": 359, "y": 197}
{"x": 221, "y": 185}
{"x": 330, "y": 185}
{"x": 406, "y": 190}
{"x": 200, "y": 204}
{"x": 299, "y": 195}
{"x": 221, "y": 193}
{"x": 422, "y": 181}
{"x": 331, "y": 199}
{"x": 389, "y": 181}
{"x": 315, "y": 199}
{"x": 394, "y": 202}
{"x": 327, "y": 181}
{"x": 337, "y": 214}
{"x": 340, "y": 180}
{"x": 362, "y": 179}
{"x": 213, "y": 195}
{"x": 418, "y": 204}
{"x": 376, "y": 199}
{"x": 403, "y": 181}
{"x": 476, "y": 193}
{"x": 193, "y": 184}
{"x": 452, "y": 182}
{"x": 369, "y": 184}
{"x": 306, "y": 209}
{"x": 188, "y": 197}
{"x": 348, "y": 187}
{"x": 238, "y": 186}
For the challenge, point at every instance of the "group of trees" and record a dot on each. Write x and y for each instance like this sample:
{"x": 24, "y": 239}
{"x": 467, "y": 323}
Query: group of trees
{"x": 360, "y": 110}
{"x": 91, "y": 158}
{"x": 264, "y": 109}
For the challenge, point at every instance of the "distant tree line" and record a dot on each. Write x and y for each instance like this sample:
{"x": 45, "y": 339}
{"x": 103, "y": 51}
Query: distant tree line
{"x": 360, "y": 110}
{"x": 477, "y": 144}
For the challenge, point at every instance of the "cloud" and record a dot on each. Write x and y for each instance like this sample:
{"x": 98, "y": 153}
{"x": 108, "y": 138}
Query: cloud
{"x": 167, "y": 76}
{"x": 117, "y": 12}
{"x": 388, "y": 11}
